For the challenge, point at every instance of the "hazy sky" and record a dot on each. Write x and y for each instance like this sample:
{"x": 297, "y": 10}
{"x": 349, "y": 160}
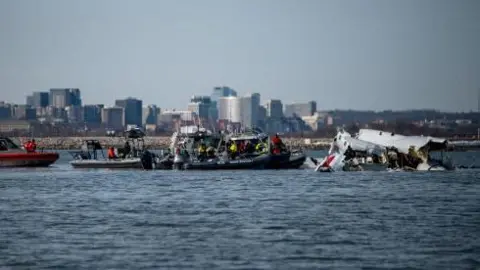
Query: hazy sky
{"x": 368, "y": 54}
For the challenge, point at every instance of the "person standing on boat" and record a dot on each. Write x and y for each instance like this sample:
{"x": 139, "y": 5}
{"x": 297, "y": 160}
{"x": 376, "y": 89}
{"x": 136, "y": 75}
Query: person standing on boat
{"x": 126, "y": 149}
{"x": 233, "y": 150}
{"x": 111, "y": 153}
{"x": 241, "y": 147}
{"x": 249, "y": 148}
{"x": 202, "y": 151}
{"x": 260, "y": 147}
{"x": 29, "y": 146}
{"x": 277, "y": 144}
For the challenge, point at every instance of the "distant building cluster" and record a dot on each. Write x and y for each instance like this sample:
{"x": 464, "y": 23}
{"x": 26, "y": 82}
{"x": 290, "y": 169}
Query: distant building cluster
{"x": 222, "y": 109}
{"x": 225, "y": 109}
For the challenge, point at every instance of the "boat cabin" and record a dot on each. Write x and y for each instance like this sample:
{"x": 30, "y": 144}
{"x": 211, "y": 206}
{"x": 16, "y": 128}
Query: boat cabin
{"x": 134, "y": 143}
{"x": 192, "y": 141}
{"x": 90, "y": 149}
{"x": 253, "y": 138}
{"x": 7, "y": 144}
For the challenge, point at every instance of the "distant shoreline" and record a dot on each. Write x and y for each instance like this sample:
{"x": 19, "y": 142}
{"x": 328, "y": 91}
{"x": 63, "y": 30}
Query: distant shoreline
{"x": 162, "y": 142}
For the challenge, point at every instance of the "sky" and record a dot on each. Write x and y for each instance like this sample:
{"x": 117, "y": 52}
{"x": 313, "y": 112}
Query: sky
{"x": 344, "y": 54}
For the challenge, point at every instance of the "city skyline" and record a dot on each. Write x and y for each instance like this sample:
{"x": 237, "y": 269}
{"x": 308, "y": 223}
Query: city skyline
{"x": 342, "y": 54}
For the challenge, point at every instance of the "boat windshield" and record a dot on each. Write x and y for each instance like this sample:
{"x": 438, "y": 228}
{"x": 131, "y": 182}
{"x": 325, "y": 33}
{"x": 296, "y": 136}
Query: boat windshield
{"x": 6, "y": 144}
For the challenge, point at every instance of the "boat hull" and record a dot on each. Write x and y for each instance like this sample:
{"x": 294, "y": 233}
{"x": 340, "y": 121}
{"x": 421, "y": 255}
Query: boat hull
{"x": 286, "y": 161}
{"x": 259, "y": 162}
{"x": 23, "y": 159}
{"x": 135, "y": 163}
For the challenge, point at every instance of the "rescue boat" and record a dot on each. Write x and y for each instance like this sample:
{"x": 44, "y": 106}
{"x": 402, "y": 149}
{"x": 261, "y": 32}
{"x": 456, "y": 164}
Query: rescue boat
{"x": 12, "y": 155}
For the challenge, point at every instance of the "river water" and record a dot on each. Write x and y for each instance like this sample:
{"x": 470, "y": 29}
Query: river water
{"x": 60, "y": 218}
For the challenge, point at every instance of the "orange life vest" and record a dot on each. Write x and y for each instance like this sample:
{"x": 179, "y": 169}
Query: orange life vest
{"x": 111, "y": 152}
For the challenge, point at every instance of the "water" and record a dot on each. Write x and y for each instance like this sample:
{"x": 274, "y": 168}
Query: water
{"x": 59, "y": 218}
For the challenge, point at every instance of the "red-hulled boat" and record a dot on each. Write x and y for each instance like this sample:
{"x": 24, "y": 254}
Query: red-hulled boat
{"x": 11, "y": 155}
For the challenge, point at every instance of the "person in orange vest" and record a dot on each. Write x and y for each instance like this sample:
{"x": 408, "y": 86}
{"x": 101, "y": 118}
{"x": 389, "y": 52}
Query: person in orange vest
{"x": 111, "y": 153}
{"x": 277, "y": 144}
{"x": 276, "y": 140}
{"x": 28, "y": 146}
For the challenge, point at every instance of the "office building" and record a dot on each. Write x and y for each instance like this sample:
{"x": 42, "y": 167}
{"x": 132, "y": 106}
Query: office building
{"x": 63, "y": 97}
{"x": 75, "y": 98}
{"x": 24, "y": 112}
{"x": 74, "y": 114}
{"x": 29, "y": 101}
{"x": 203, "y": 107}
{"x": 40, "y": 99}
{"x": 5, "y": 111}
{"x": 300, "y": 109}
{"x": 250, "y": 106}
{"x": 222, "y": 91}
{"x": 151, "y": 115}
{"x": 56, "y": 113}
{"x": 133, "y": 109}
{"x": 113, "y": 118}
{"x": 229, "y": 109}
{"x": 218, "y": 92}
{"x": 274, "y": 108}
{"x": 92, "y": 114}
{"x": 316, "y": 120}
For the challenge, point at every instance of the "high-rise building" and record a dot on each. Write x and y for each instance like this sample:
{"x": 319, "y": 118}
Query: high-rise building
{"x": 24, "y": 112}
{"x": 133, "y": 109}
{"x": 56, "y": 113}
{"x": 300, "y": 109}
{"x": 29, "y": 101}
{"x": 274, "y": 108}
{"x": 59, "y": 98}
{"x": 202, "y": 106}
{"x": 250, "y": 106}
{"x": 40, "y": 99}
{"x": 75, "y": 98}
{"x": 218, "y": 92}
{"x": 151, "y": 115}
{"x": 74, "y": 114}
{"x": 222, "y": 91}
{"x": 63, "y": 97}
{"x": 5, "y": 111}
{"x": 113, "y": 118}
{"x": 92, "y": 114}
{"x": 229, "y": 108}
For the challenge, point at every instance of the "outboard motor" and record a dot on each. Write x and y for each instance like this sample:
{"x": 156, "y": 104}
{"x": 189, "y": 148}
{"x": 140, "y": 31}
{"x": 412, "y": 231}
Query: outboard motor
{"x": 147, "y": 160}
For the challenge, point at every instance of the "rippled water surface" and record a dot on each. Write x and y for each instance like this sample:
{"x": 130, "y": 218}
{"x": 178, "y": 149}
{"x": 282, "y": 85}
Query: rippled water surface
{"x": 60, "y": 218}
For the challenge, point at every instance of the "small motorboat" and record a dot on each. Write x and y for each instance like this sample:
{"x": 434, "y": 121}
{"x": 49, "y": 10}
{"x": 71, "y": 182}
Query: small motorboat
{"x": 12, "y": 155}
{"x": 287, "y": 159}
{"x": 135, "y": 157}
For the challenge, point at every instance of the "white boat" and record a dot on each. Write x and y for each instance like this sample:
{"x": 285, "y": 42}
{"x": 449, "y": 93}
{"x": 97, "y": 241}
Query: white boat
{"x": 409, "y": 152}
{"x": 135, "y": 157}
{"x": 128, "y": 163}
